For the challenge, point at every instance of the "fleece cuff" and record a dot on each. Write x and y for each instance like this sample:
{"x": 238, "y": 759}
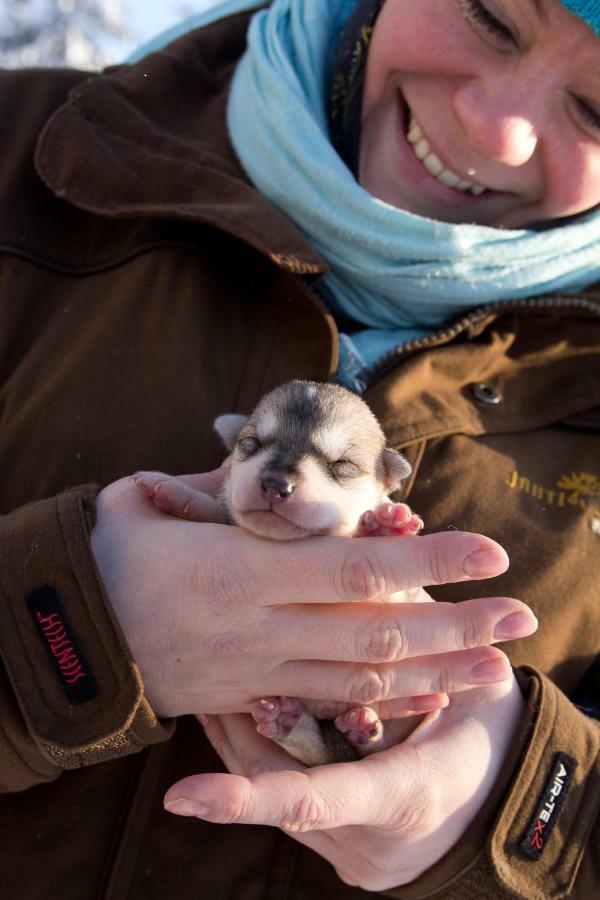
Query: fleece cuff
{"x": 529, "y": 841}
{"x": 77, "y": 688}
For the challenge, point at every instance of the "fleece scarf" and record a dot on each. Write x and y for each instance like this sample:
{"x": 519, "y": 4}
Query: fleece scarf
{"x": 394, "y": 275}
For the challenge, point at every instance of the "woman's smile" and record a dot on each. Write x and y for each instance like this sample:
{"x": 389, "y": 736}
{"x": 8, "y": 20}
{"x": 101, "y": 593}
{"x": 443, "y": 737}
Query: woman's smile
{"x": 480, "y": 112}
{"x": 416, "y": 173}
{"x": 431, "y": 177}
{"x": 433, "y": 164}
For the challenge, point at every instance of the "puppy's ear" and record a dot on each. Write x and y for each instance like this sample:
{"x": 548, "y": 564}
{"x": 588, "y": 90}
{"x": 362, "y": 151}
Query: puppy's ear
{"x": 228, "y": 428}
{"x": 396, "y": 469}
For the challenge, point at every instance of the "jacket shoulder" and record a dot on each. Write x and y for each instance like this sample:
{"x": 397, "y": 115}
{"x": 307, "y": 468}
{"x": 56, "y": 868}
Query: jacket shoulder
{"x": 29, "y": 96}
{"x": 145, "y": 143}
{"x": 28, "y": 99}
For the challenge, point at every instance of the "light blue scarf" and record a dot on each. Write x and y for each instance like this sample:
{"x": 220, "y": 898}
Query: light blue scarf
{"x": 398, "y": 274}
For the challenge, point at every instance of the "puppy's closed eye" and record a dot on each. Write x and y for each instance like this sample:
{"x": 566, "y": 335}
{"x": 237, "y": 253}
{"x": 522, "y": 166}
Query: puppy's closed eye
{"x": 344, "y": 468}
{"x": 249, "y": 445}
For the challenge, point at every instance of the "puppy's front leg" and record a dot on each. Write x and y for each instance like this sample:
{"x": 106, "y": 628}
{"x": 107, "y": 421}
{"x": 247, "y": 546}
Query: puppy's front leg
{"x": 176, "y": 498}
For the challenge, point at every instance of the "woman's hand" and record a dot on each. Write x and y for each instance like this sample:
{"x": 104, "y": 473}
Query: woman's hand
{"x": 217, "y": 618}
{"x": 382, "y": 821}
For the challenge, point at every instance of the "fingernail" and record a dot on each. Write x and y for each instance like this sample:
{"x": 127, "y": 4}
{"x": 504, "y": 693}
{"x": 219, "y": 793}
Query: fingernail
{"x": 519, "y": 624}
{"x": 183, "y": 807}
{"x": 488, "y": 672}
{"x": 483, "y": 564}
{"x": 203, "y": 720}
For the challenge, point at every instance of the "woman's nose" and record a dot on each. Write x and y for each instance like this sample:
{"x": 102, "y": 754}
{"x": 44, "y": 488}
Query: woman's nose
{"x": 498, "y": 126}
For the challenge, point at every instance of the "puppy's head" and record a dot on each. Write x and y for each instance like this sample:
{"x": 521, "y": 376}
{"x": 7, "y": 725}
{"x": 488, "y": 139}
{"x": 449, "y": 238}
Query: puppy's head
{"x": 310, "y": 459}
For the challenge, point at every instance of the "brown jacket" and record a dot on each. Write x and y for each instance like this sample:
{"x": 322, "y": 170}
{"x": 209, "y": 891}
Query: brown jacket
{"x": 145, "y": 287}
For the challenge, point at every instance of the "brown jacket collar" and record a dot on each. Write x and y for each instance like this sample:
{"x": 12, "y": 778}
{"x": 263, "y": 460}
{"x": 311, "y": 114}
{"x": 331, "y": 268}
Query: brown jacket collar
{"x": 150, "y": 141}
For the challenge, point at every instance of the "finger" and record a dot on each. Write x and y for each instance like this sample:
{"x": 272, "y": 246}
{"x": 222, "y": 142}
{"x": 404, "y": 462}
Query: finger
{"x": 333, "y": 570}
{"x": 235, "y": 739}
{"x": 390, "y": 632}
{"x": 214, "y": 729}
{"x": 349, "y": 850}
{"x": 326, "y": 797}
{"x": 397, "y": 708}
{"x": 209, "y": 482}
{"x": 244, "y": 751}
{"x": 363, "y": 684}
{"x": 255, "y": 753}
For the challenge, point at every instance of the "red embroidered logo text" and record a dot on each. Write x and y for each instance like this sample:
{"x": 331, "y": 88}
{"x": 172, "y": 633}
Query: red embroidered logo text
{"x": 548, "y": 806}
{"x": 537, "y": 839}
{"x": 60, "y": 643}
{"x": 61, "y": 647}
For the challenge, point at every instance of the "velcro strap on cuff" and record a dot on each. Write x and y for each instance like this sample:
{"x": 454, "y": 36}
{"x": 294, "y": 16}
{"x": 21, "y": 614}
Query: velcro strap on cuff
{"x": 78, "y": 688}
{"x": 543, "y": 829}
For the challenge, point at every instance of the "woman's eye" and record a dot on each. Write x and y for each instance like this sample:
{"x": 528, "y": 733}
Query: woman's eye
{"x": 248, "y": 445}
{"x": 590, "y": 115}
{"x": 343, "y": 468}
{"x": 480, "y": 17}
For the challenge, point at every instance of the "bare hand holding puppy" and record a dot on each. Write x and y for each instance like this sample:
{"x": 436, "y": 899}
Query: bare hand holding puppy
{"x": 381, "y": 821}
{"x": 315, "y": 500}
{"x": 308, "y": 461}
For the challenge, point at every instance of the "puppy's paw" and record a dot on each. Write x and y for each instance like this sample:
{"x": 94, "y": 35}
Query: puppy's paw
{"x": 389, "y": 519}
{"x": 360, "y": 726}
{"x": 174, "y": 497}
{"x": 276, "y": 717}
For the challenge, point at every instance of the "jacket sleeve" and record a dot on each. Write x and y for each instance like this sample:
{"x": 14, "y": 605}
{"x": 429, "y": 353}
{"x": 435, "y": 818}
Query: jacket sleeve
{"x": 538, "y": 835}
{"x": 70, "y": 692}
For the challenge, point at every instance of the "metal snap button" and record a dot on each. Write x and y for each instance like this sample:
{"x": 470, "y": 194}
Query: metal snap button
{"x": 486, "y": 393}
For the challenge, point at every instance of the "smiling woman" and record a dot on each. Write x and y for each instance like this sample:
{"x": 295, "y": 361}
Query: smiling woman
{"x": 402, "y": 196}
{"x": 405, "y": 134}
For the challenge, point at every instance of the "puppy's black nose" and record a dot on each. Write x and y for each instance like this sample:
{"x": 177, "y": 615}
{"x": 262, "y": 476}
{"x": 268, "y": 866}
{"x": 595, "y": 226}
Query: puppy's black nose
{"x": 277, "y": 487}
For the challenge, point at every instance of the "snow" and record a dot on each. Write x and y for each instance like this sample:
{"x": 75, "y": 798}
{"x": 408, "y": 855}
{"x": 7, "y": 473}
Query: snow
{"x": 86, "y": 34}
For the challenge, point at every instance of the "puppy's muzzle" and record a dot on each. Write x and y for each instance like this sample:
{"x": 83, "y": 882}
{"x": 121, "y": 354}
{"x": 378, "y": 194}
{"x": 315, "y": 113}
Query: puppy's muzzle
{"x": 276, "y": 487}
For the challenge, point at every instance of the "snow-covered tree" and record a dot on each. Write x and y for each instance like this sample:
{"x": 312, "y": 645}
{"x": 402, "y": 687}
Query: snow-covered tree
{"x": 85, "y": 34}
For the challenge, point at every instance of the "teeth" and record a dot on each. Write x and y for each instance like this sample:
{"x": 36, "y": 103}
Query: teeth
{"x": 414, "y": 132}
{"x": 421, "y": 149}
{"x": 449, "y": 178}
{"x": 434, "y": 165}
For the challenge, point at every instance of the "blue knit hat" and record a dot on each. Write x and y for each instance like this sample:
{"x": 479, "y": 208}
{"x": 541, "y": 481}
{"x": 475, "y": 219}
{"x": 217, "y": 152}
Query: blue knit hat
{"x": 589, "y": 10}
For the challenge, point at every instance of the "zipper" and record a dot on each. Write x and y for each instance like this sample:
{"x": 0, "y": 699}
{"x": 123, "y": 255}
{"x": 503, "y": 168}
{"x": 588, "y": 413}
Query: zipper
{"x": 444, "y": 335}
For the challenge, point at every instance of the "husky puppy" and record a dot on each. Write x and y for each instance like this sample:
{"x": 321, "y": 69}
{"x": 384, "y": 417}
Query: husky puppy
{"x": 311, "y": 460}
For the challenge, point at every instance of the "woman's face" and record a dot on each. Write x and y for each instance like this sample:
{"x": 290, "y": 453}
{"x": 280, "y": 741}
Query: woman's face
{"x": 501, "y": 96}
